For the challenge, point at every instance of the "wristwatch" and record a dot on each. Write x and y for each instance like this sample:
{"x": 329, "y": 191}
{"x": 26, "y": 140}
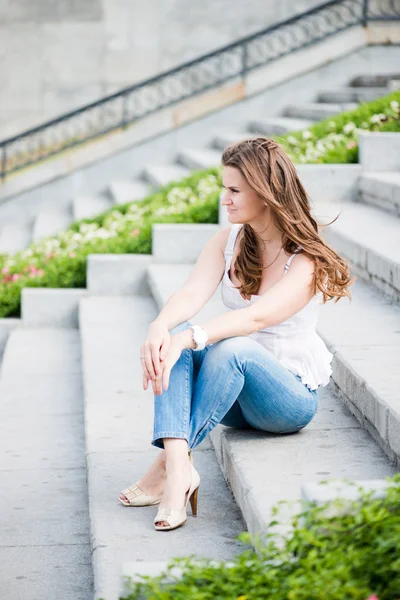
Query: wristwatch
{"x": 200, "y": 337}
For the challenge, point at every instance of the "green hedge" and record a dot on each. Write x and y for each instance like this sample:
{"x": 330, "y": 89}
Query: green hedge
{"x": 350, "y": 556}
{"x": 335, "y": 140}
{"x": 60, "y": 261}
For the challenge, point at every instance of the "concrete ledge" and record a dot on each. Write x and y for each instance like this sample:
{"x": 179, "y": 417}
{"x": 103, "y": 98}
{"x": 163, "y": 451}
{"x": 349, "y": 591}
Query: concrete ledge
{"x": 328, "y": 493}
{"x": 6, "y": 327}
{"x": 379, "y": 151}
{"x": 371, "y": 246}
{"x": 46, "y": 307}
{"x": 180, "y": 242}
{"x": 381, "y": 190}
{"x": 118, "y": 274}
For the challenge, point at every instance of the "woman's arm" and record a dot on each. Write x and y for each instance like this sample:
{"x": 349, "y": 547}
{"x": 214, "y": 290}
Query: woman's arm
{"x": 181, "y": 306}
{"x": 285, "y": 299}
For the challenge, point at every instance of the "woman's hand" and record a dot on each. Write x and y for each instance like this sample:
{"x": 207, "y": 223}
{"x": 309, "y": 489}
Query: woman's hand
{"x": 154, "y": 350}
{"x": 173, "y": 355}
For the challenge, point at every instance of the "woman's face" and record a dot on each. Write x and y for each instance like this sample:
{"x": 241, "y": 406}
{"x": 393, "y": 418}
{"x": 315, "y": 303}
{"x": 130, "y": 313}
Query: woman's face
{"x": 243, "y": 204}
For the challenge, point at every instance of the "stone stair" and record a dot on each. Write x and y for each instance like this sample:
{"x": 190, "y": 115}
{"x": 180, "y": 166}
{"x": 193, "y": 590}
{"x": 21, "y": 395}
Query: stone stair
{"x": 381, "y": 190}
{"x": 355, "y": 434}
{"x": 118, "y": 425}
{"x": 363, "y": 337}
{"x": 45, "y": 549}
{"x": 48, "y": 221}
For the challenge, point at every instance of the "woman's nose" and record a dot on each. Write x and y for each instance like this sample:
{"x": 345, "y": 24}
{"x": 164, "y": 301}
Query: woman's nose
{"x": 225, "y": 198}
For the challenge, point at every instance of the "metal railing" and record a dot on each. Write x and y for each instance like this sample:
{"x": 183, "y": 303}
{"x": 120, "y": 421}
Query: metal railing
{"x": 189, "y": 79}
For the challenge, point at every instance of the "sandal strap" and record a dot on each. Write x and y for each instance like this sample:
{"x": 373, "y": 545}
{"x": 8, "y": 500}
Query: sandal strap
{"x": 132, "y": 492}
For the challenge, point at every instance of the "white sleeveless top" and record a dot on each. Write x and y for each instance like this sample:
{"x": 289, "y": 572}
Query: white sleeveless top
{"x": 294, "y": 342}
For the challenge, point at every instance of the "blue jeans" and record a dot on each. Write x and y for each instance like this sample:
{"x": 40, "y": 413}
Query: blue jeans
{"x": 236, "y": 382}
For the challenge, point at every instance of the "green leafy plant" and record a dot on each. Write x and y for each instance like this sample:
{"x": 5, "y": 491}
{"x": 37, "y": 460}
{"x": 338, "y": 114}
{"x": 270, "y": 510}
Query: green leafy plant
{"x": 335, "y": 140}
{"x": 348, "y": 553}
{"x": 60, "y": 261}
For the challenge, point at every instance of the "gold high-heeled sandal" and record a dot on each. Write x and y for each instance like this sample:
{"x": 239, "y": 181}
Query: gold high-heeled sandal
{"x": 175, "y": 517}
{"x": 137, "y": 496}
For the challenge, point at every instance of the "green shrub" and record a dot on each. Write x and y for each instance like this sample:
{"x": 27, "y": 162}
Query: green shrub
{"x": 60, "y": 261}
{"x": 335, "y": 140}
{"x": 349, "y": 556}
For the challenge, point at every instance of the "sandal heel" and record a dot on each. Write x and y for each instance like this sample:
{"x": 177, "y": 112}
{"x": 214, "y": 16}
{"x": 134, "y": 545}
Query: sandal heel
{"x": 193, "y": 501}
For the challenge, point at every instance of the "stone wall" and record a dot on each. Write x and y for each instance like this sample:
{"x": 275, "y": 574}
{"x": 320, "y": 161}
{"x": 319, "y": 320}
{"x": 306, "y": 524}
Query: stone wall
{"x": 58, "y": 55}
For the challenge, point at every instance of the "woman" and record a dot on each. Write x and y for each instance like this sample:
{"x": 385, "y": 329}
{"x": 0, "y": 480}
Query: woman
{"x": 260, "y": 364}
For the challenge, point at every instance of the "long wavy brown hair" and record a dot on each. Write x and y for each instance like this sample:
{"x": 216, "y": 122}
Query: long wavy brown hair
{"x": 270, "y": 172}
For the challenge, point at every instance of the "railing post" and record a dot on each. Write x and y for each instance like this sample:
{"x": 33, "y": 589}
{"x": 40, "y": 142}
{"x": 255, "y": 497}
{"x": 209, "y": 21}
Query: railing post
{"x": 364, "y": 19}
{"x": 124, "y": 110}
{"x": 3, "y": 162}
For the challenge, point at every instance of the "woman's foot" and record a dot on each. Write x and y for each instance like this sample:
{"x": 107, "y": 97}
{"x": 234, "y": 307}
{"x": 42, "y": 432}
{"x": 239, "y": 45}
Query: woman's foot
{"x": 153, "y": 481}
{"x": 179, "y": 475}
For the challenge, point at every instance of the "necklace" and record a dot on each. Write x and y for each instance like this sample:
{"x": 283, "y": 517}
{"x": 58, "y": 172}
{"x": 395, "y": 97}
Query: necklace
{"x": 274, "y": 259}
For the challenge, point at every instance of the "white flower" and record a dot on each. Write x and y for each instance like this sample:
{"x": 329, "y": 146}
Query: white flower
{"x": 395, "y": 106}
{"x": 377, "y": 118}
{"x": 306, "y": 134}
{"x": 292, "y": 140}
{"x": 349, "y": 127}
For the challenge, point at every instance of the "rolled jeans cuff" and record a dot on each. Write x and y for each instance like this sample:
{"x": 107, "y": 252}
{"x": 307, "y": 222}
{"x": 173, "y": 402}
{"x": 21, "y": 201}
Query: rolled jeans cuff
{"x": 158, "y": 437}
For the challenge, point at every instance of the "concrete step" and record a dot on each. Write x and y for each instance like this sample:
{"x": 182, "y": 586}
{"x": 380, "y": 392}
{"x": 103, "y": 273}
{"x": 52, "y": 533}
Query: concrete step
{"x": 6, "y": 327}
{"x": 381, "y": 190}
{"x": 369, "y": 238}
{"x": 317, "y": 111}
{"x": 351, "y": 94}
{"x": 379, "y": 151}
{"x": 51, "y": 307}
{"x": 180, "y": 242}
{"x": 160, "y": 175}
{"x": 86, "y": 207}
{"x": 44, "y": 521}
{"x": 49, "y": 222}
{"x": 199, "y": 159}
{"x": 224, "y": 138}
{"x": 339, "y": 445}
{"x": 15, "y": 237}
{"x": 279, "y": 125}
{"x": 372, "y": 80}
{"x": 118, "y": 425}
{"x": 118, "y": 274}
{"x": 122, "y": 192}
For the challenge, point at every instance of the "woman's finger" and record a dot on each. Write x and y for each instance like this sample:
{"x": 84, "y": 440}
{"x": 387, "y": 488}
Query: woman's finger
{"x": 164, "y": 349}
{"x": 145, "y": 381}
{"x": 165, "y": 378}
{"x": 146, "y": 352}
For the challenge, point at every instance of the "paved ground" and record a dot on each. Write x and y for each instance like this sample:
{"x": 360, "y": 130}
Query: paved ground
{"x": 44, "y": 521}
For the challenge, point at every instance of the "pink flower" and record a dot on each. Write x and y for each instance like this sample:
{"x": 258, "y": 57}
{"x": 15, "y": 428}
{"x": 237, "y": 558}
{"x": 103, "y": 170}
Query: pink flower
{"x": 351, "y": 144}
{"x": 15, "y": 277}
{"x": 5, "y": 270}
{"x": 40, "y": 272}
{"x": 373, "y": 597}
{"x": 32, "y": 269}
{"x": 135, "y": 232}
{"x": 72, "y": 254}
